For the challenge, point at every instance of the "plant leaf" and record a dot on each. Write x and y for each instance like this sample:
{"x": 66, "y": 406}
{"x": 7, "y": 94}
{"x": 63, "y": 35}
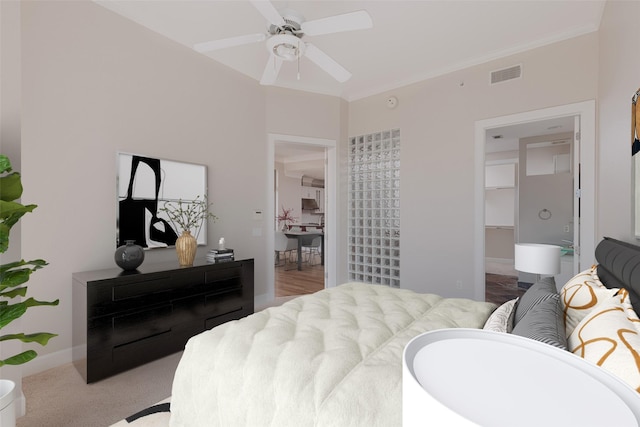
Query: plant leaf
{"x": 10, "y": 187}
{"x": 9, "y": 208}
{"x": 10, "y": 214}
{"x": 36, "y": 263}
{"x": 18, "y": 292}
{"x": 11, "y": 312}
{"x": 19, "y": 359}
{"x": 41, "y": 338}
{"x": 5, "y": 164}
{"x": 11, "y": 275}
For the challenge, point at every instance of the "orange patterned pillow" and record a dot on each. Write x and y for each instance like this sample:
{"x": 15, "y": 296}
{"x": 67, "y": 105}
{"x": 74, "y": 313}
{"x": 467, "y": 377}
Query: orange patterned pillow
{"x": 609, "y": 336}
{"x": 580, "y": 295}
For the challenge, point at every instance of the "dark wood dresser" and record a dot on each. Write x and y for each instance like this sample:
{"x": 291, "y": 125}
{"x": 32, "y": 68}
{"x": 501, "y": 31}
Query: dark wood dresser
{"x": 125, "y": 319}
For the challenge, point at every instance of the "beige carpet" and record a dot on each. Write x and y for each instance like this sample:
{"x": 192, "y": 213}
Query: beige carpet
{"x": 60, "y": 397}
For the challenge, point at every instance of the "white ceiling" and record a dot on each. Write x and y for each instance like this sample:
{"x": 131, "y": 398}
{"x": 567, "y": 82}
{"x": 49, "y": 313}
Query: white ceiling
{"x": 410, "y": 40}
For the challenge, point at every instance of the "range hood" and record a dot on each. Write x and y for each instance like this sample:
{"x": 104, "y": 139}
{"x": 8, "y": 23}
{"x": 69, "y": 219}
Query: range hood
{"x": 309, "y": 204}
{"x": 308, "y": 181}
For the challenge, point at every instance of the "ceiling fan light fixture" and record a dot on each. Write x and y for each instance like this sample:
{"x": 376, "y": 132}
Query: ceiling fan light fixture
{"x": 286, "y": 47}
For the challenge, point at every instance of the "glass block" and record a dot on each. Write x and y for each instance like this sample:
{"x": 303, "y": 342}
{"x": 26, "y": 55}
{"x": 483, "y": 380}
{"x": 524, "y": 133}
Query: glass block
{"x": 374, "y": 207}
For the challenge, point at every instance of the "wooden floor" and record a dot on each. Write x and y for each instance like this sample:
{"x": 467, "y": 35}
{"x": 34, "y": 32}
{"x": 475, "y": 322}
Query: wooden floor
{"x": 289, "y": 281}
{"x": 501, "y": 288}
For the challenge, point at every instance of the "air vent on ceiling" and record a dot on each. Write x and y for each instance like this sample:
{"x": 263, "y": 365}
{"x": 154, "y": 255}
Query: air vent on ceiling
{"x": 499, "y": 76}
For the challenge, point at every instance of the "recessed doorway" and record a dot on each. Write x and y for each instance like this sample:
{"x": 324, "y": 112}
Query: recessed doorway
{"x": 302, "y": 167}
{"x": 583, "y": 168}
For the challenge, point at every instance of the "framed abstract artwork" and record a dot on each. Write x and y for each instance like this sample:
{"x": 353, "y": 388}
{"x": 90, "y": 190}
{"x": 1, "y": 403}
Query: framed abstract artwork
{"x": 144, "y": 185}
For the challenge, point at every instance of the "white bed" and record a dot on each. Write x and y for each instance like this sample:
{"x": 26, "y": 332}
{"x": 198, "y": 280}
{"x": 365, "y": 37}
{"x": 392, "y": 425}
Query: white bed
{"x": 328, "y": 359}
{"x": 334, "y": 358}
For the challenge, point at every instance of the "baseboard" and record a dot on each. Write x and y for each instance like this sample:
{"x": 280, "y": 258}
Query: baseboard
{"x": 499, "y": 260}
{"x": 51, "y": 360}
{"x": 261, "y": 301}
{"x": 21, "y": 405}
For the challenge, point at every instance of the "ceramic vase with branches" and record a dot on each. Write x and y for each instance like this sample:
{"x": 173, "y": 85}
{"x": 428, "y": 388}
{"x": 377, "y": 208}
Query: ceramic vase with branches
{"x": 188, "y": 217}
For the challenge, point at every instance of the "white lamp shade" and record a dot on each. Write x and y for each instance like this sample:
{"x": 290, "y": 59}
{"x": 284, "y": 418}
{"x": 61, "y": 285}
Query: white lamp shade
{"x": 537, "y": 258}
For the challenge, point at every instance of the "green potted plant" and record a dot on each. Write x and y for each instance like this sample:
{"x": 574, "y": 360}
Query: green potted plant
{"x": 13, "y": 276}
{"x": 187, "y": 217}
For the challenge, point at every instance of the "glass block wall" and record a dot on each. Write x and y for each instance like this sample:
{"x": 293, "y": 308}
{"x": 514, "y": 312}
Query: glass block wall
{"x": 374, "y": 208}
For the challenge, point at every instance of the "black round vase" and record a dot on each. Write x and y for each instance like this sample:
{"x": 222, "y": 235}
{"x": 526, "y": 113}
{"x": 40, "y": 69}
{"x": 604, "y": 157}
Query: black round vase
{"x": 129, "y": 256}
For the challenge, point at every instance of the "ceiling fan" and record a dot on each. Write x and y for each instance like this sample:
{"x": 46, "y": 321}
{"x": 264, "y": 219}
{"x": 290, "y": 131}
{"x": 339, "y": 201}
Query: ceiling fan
{"x": 285, "y": 29}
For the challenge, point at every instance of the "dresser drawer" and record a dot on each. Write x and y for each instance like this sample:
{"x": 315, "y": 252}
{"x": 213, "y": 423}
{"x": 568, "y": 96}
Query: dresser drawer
{"x": 152, "y": 285}
{"x": 130, "y": 318}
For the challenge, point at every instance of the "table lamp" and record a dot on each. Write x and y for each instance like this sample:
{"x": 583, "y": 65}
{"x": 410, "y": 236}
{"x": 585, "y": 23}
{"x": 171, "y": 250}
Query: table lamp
{"x": 537, "y": 258}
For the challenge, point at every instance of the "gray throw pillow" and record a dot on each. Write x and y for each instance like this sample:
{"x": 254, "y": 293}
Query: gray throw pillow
{"x": 544, "y": 322}
{"x": 538, "y": 292}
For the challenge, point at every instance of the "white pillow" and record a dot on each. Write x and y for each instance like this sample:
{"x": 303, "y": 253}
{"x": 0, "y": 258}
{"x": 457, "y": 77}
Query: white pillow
{"x": 580, "y": 295}
{"x": 609, "y": 336}
{"x": 501, "y": 320}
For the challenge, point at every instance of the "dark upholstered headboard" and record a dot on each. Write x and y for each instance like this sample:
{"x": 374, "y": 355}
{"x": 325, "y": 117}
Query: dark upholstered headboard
{"x": 619, "y": 267}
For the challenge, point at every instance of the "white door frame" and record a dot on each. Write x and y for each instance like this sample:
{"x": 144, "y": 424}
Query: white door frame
{"x": 330, "y": 185}
{"x": 587, "y": 235}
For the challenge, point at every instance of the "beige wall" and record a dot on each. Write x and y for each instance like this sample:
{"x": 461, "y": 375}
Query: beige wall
{"x": 94, "y": 84}
{"x": 288, "y": 193}
{"x": 10, "y": 146}
{"x": 619, "y": 79}
{"x": 292, "y": 112}
{"x": 436, "y": 118}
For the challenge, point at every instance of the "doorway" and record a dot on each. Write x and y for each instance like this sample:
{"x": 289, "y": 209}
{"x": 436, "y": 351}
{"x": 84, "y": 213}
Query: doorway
{"x": 582, "y": 115}
{"x": 301, "y": 144}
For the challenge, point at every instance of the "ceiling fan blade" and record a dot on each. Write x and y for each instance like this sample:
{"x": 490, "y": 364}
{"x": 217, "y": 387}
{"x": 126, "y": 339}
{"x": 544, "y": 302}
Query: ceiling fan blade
{"x": 327, "y": 63}
{"x": 266, "y": 8}
{"x": 232, "y": 41}
{"x": 271, "y": 71}
{"x": 359, "y": 20}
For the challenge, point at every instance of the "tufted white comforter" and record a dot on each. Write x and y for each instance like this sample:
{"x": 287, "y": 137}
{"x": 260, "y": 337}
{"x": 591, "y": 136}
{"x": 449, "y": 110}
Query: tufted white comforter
{"x": 332, "y": 358}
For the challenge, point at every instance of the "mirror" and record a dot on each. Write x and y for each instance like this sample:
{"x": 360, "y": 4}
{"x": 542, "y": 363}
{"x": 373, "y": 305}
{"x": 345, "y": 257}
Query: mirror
{"x": 144, "y": 184}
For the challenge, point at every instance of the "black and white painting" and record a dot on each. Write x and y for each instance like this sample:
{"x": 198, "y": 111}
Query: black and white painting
{"x": 144, "y": 185}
